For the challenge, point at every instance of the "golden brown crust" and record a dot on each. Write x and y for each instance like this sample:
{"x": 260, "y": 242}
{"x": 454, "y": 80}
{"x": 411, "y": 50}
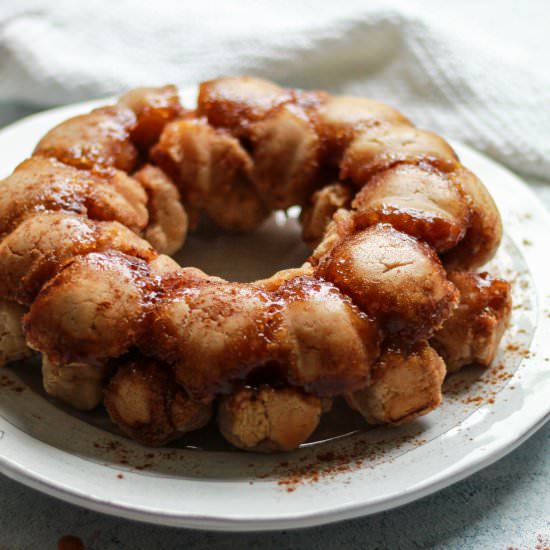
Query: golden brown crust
{"x": 97, "y": 140}
{"x": 267, "y": 420}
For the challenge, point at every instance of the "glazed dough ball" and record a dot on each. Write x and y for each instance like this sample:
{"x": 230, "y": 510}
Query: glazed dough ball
{"x": 146, "y": 403}
{"x": 79, "y": 385}
{"x": 154, "y": 108}
{"x": 417, "y": 200}
{"x": 99, "y": 139}
{"x": 212, "y": 332}
{"x": 326, "y": 343}
{"x": 37, "y": 249}
{"x": 403, "y": 386}
{"x": 200, "y": 159}
{"x": 268, "y": 420}
{"x": 167, "y": 226}
{"x": 212, "y": 171}
{"x": 474, "y": 330}
{"x": 317, "y": 214}
{"x": 341, "y": 118}
{"x": 485, "y": 230}
{"x": 92, "y": 310}
{"x": 42, "y": 185}
{"x": 278, "y": 125}
{"x": 384, "y": 146}
{"x": 12, "y": 341}
{"x": 236, "y": 102}
{"x": 286, "y": 152}
{"x": 393, "y": 278}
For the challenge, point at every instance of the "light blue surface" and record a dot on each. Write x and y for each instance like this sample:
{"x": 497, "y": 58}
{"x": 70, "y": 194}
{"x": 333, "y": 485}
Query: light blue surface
{"x": 506, "y": 505}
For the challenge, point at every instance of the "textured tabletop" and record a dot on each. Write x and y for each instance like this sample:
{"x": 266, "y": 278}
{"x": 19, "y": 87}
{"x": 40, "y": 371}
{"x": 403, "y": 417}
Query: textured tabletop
{"x": 506, "y": 505}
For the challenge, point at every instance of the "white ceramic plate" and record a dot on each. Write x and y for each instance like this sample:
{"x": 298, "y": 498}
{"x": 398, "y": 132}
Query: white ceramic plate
{"x": 486, "y": 414}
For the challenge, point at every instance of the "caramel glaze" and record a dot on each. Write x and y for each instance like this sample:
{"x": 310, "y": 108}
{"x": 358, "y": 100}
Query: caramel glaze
{"x": 394, "y": 278}
{"x": 215, "y": 334}
{"x": 389, "y": 206}
{"x": 481, "y": 318}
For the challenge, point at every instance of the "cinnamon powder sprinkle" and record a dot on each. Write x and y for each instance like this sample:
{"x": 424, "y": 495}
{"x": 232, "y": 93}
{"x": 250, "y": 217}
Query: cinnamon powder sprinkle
{"x": 7, "y": 383}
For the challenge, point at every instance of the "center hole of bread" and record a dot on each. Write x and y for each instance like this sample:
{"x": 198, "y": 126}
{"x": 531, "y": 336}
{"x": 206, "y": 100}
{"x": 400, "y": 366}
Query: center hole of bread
{"x": 245, "y": 257}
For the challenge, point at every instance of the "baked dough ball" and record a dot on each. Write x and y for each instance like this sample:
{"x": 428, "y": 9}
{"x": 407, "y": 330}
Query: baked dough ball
{"x": 154, "y": 108}
{"x": 92, "y": 310}
{"x": 326, "y": 343}
{"x": 13, "y": 346}
{"x": 167, "y": 225}
{"x": 213, "y": 333}
{"x": 474, "y": 330}
{"x": 35, "y": 251}
{"x": 239, "y": 209}
{"x": 237, "y": 102}
{"x": 286, "y": 151}
{"x": 317, "y": 214}
{"x": 79, "y": 385}
{"x": 418, "y": 201}
{"x": 341, "y": 118}
{"x": 485, "y": 229}
{"x": 268, "y": 420}
{"x": 98, "y": 140}
{"x": 340, "y": 227}
{"x": 146, "y": 403}
{"x": 200, "y": 159}
{"x": 393, "y": 278}
{"x": 280, "y": 128}
{"x": 403, "y": 386}
{"x": 384, "y": 146}
{"x": 42, "y": 185}
{"x": 212, "y": 171}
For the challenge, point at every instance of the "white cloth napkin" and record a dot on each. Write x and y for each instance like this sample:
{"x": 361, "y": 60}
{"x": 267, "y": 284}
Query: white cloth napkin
{"x": 475, "y": 71}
